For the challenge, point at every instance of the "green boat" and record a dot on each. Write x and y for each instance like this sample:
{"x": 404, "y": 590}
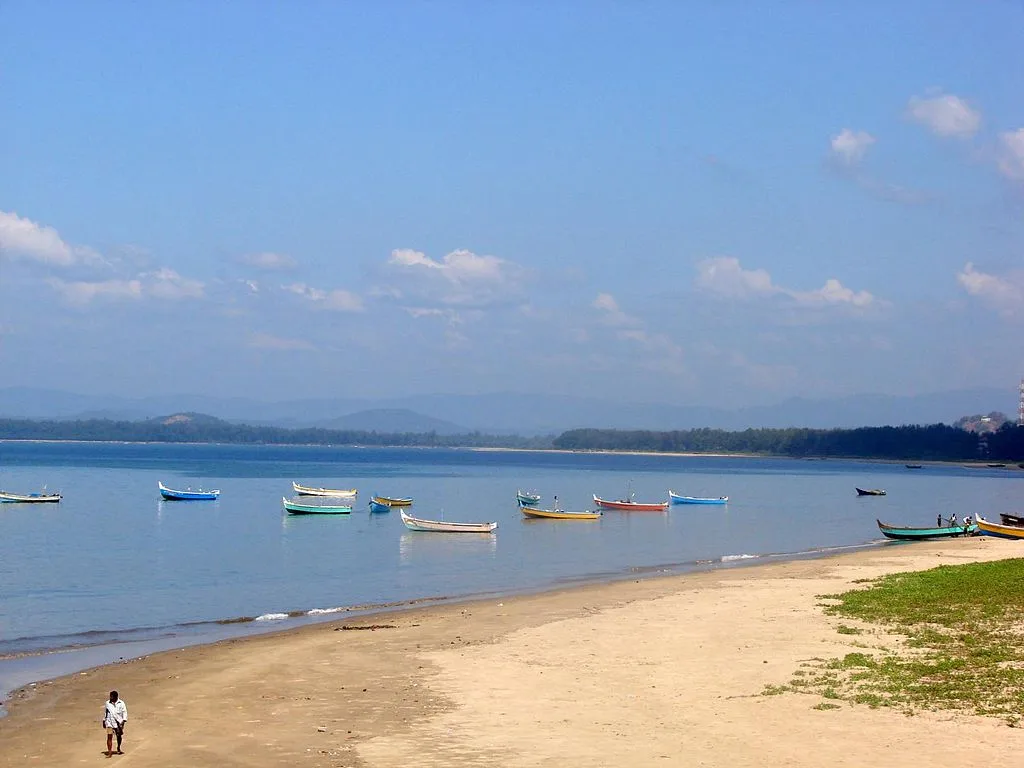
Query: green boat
{"x": 913, "y": 534}
{"x": 298, "y": 508}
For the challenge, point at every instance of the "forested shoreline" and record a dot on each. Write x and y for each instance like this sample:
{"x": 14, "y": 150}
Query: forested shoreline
{"x": 936, "y": 442}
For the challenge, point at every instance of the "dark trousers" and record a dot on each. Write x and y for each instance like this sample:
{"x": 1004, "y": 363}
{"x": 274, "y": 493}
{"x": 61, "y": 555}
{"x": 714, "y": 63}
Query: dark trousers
{"x": 119, "y": 733}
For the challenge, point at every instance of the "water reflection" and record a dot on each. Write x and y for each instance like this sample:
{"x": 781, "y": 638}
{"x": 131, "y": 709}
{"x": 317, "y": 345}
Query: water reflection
{"x": 420, "y": 546}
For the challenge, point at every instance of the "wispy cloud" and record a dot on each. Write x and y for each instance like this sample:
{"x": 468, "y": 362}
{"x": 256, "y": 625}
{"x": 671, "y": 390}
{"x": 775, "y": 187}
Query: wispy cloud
{"x": 849, "y": 147}
{"x": 269, "y": 262}
{"x": 28, "y": 239}
{"x": 1005, "y": 293}
{"x": 1011, "y": 154}
{"x": 164, "y": 284}
{"x": 336, "y": 300}
{"x": 944, "y": 115}
{"x": 725, "y": 276}
{"x": 611, "y": 314}
{"x": 460, "y": 278}
{"x": 279, "y": 343}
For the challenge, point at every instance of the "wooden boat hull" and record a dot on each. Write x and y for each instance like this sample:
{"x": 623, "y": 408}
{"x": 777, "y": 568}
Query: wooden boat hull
{"x": 187, "y": 495}
{"x": 916, "y": 534}
{"x": 393, "y": 501}
{"x": 29, "y": 498}
{"x": 558, "y": 514}
{"x": 334, "y": 493}
{"x": 870, "y": 492}
{"x": 630, "y": 506}
{"x": 1007, "y": 519}
{"x": 528, "y": 499}
{"x": 376, "y": 506}
{"x": 914, "y": 466}
{"x": 296, "y": 508}
{"x": 675, "y": 498}
{"x": 999, "y": 530}
{"x": 441, "y": 526}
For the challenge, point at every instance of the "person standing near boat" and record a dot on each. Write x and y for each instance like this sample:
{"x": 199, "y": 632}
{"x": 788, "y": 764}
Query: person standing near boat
{"x": 115, "y": 715}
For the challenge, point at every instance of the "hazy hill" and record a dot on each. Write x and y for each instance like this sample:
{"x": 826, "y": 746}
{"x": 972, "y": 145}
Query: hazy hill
{"x": 525, "y": 414}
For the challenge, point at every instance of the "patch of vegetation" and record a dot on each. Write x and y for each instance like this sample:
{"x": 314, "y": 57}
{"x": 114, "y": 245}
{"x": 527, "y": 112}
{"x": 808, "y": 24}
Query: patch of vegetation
{"x": 963, "y": 649}
{"x": 845, "y": 630}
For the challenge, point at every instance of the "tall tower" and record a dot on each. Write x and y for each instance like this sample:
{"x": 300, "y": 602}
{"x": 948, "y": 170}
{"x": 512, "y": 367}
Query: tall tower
{"x": 1020, "y": 406}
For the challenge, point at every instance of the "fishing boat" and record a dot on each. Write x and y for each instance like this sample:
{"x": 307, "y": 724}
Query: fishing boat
{"x": 558, "y": 514}
{"x": 910, "y": 533}
{"x": 675, "y": 498}
{"x": 914, "y": 466}
{"x": 442, "y": 526}
{"x": 335, "y": 493}
{"x": 394, "y": 501}
{"x": 999, "y": 530}
{"x": 630, "y": 505}
{"x": 29, "y": 498}
{"x": 314, "y": 508}
{"x": 376, "y": 506}
{"x": 995, "y": 466}
{"x": 1007, "y": 519}
{"x": 527, "y": 498}
{"x": 188, "y": 494}
{"x": 870, "y": 491}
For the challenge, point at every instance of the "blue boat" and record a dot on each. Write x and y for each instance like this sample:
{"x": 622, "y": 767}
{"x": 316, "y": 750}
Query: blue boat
{"x": 318, "y": 507}
{"x": 677, "y": 499}
{"x": 379, "y": 506}
{"x": 910, "y": 533}
{"x": 187, "y": 495}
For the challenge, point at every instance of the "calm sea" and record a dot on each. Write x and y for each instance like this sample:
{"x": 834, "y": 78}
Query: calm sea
{"x": 114, "y": 567}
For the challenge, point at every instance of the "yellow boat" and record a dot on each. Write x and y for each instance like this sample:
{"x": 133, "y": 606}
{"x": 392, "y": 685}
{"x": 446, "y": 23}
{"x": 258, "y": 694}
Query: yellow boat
{"x": 559, "y": 514}
{"x": 390, "y": 501}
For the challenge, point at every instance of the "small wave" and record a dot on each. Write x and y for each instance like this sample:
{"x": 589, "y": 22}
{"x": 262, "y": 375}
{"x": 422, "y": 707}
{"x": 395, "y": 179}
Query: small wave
{"x": 325, "y": 611}
{"x": 731, "y": 558}
{"x": 271, "y": 617}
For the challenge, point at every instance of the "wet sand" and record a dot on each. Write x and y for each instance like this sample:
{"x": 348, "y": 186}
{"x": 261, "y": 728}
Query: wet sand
{"x": 656, "y": 672}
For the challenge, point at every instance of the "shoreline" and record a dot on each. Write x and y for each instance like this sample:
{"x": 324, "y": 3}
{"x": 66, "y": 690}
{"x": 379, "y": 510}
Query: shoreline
{"x": 628, "y": 672}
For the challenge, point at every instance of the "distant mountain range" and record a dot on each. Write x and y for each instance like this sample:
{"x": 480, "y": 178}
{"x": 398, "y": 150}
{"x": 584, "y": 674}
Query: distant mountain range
{"x": 510, "y": 413}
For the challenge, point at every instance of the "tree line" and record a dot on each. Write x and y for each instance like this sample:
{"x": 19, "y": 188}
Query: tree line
{"x": 938, "y": 442}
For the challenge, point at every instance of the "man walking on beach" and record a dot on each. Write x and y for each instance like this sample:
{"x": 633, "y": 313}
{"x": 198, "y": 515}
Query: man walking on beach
{"x": 115, "y": 715}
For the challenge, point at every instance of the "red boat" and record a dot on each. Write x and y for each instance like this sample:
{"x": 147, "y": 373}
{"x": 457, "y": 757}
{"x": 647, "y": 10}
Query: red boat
{"x": 630, "y": 506}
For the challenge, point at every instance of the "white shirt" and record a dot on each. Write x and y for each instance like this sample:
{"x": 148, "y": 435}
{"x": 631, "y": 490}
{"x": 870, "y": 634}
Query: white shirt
{"x": 114, "y": 715}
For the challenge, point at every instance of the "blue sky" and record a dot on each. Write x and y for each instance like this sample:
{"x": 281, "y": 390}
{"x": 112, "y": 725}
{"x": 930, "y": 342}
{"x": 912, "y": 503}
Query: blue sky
{"x": 723, "y": 204}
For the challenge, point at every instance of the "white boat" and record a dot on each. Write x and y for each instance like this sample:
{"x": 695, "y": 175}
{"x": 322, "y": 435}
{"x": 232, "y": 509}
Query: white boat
{"x": 442, "y": 526}
{"x": 334, "y": 493}
{"x": 29, "y": 498}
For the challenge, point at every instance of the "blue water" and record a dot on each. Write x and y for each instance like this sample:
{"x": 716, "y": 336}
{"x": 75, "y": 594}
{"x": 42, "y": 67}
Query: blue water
{"x": 112, "y": 562}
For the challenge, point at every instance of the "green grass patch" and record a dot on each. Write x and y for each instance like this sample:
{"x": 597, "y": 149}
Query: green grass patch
{"x": 845, "y": 630}
{"x": 963, "y": 627}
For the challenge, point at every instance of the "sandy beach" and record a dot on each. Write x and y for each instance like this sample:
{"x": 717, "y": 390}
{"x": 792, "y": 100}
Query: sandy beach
{"x": 654, "y": 672}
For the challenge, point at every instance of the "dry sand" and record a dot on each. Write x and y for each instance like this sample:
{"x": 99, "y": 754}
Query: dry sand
{"x": 657, "y": 672}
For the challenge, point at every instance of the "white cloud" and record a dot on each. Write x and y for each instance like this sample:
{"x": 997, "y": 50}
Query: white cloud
{"x": 337, "y": 300}
{"x": 945, "y": 115}
{"x": 1005, "y": 294}
{"x": 610, "y": 312}
{"x": 461, "y": 277}
{"x": 35, "y": 241}
{"x": 278, "y": 343}
{"x": 81, "y": 292}
{"x": 1011, "y": 158}
{"x": 270, "y": 262}
{"x": 167, "y": 284}
{"x": 725, "y": 276}
{"x": 849, "y": 147}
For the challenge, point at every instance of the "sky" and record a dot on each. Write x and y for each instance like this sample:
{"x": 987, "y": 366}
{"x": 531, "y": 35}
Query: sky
{"x": 723, "y": 204}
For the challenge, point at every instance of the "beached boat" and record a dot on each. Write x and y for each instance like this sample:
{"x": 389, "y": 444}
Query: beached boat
{"x": 334, "y": 493}
{"x": 911, "y": 533}
{"x": 558, "y": 514}
{"x": 187, "y": 495}
{"x": 525, "y": 497}
{"x": 999, "y": 530}
{"x": 870, "y": 491}
{"x": 630, "y": 505}
{"x": 29, "y": 498}
{"x": 1007, "y": 519}
{"x": 314, "y": 508}
{"x": 675, "y": 498}
{"x": 394, "y": 501}
{"x": 376, "y": 506}
{"x": 442, "y": 526}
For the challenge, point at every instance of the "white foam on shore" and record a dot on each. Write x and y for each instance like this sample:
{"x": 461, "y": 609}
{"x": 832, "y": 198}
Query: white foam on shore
{"x": 271, "y": 617}
{"x": 324, "y": 611}
{"x": 730, "y": 558}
